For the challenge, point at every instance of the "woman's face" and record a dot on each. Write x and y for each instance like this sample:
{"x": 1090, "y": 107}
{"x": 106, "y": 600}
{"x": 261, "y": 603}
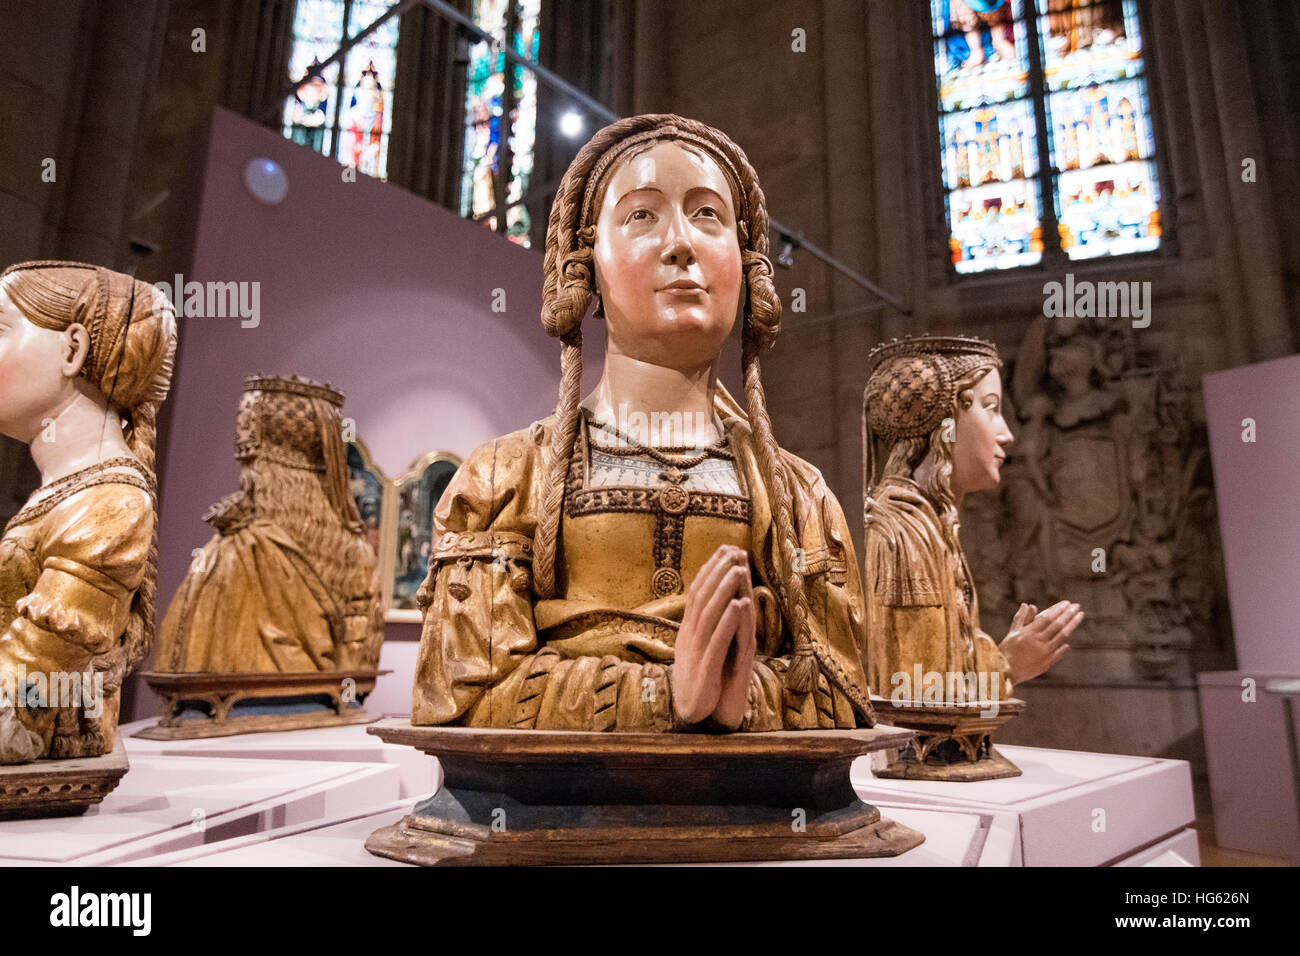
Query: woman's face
{"x": 982, "y": 439}
{"x": 37, "y": 368}
{"x": 667, "y": 257}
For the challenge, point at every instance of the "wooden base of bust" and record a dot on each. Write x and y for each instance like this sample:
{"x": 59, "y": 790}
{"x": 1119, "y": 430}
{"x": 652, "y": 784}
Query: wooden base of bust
{"x": 953, "y": 741}
{"x": 539, "y": 797}
{"x": 274, "y": 692}
{"x": 59, "y": 788}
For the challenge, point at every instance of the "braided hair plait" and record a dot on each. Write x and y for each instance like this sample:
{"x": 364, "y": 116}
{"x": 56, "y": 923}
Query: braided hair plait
{"x": 762, "y": 325}
{"x": 762, "y": 318}
{"x": 142, "y": 627}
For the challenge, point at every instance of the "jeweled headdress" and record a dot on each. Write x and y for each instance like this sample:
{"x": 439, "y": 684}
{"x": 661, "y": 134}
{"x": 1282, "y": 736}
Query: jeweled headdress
{"x": 912, "y": 387}
{"x": 297, "y": 422}
{"x": 283, "y": 419}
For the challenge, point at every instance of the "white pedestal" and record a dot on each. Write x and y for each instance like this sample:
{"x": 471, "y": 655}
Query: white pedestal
{"x": 312, "y": 797}
{"x": 1073, "y": 808}
{"x": 952, "y": 838}
{"x": 165, "y": 803}
{"x": 419, "y": 775}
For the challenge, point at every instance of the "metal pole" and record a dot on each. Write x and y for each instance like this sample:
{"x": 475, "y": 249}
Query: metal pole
{"x": 1288, "y": 690}
{"x": 799, "y": 242}
{"x": 508, "y": 51}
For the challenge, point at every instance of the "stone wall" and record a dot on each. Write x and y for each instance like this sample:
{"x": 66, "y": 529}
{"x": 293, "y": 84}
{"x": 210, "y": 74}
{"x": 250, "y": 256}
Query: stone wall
{"x": 845, "y": 139}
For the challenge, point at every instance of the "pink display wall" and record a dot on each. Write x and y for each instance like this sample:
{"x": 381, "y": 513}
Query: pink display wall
{"x": 1257, "y": 485}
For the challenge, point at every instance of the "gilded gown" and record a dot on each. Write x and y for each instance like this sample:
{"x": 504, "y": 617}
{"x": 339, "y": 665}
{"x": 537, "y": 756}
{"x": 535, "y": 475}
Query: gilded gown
{"x": 257, "y": 600}
{"x": 70, "y": 564}
{"x": 599, "y": 656}
{"x": 921, "y": 606}
{"x": 288, "y": 583}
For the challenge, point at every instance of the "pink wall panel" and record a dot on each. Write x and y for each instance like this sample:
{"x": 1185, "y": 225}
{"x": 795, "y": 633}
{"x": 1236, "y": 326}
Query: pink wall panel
{"x": 1257, "y": 485}
{"x": 363, "y": 285}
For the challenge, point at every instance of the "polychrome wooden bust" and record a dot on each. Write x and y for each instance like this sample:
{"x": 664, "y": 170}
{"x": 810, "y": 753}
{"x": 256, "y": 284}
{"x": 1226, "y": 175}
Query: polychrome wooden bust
{"x": 933, "y": 432}
{"x": 288, "y": 583}
{"x": 85, "y": 360}
{"x": 647, "y": 557}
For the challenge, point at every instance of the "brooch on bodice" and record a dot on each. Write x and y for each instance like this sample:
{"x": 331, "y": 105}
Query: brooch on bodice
{"x": 671, "y": 503}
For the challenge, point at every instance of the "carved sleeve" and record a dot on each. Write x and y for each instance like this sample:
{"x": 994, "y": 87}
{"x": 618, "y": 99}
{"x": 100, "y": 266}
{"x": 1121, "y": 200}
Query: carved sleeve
{"x": 772, "y": 707}
{"x": 478, "y": 622}
{"x": 832, "y": 583}
{"x": 92, "y": 557}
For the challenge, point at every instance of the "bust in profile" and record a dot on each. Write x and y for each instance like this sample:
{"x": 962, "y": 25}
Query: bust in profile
{"x": 933, "y": 432}
{"x": 647, "y": 558}
{"x": 85, "y": 361}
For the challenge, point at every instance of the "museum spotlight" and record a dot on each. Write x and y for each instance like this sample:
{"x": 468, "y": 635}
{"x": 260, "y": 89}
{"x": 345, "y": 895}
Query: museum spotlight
{"x": 785, "y": 257}
{"x": 266, "y": 180}
{"x": 571, "y": 124}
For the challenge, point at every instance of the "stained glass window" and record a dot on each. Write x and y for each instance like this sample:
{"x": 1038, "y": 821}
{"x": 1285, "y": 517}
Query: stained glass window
{"x": 1085, "y": 87}
{"x": 1106, "y": 190}
{"x": 500, "y": 101}
{"x": 346, "y": 116}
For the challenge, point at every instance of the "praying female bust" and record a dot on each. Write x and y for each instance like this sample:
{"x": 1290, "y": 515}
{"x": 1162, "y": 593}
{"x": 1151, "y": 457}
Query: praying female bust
{"x": 85, "y": 360}
{"x": 933, "y": 432}
{"x": 647, "y": 558}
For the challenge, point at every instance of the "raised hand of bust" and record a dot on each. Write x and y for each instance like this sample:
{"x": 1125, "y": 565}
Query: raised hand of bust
{"x": 1036, "y": 640}
{"x": 715, "y": 642}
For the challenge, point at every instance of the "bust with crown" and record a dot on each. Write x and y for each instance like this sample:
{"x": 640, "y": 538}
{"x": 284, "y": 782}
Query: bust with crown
{"x": 277, "y": 624}
{"x": 933, "y": 432}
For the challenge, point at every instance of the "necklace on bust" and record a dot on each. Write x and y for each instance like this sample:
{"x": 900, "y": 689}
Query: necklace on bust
{"x": 678, "y": 460}
{"x": 692, "y": 455}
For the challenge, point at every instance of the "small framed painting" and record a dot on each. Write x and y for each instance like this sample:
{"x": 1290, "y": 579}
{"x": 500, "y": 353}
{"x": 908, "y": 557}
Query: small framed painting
{"x": 398, "y": 518}
{"x": 418, "y": 493}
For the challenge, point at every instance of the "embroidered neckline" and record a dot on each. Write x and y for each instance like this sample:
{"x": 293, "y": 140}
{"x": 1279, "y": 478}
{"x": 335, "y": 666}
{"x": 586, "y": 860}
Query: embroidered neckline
{"x": 100, "y": 473}
{"x": 579, "y": 479}
{"x": 670, "y": 504}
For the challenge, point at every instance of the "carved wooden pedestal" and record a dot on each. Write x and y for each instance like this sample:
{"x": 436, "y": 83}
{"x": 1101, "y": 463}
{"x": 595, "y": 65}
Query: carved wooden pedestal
{"x": 59, "y": 788}
{"x": 953, "y": 741}
{"x": 512, "y": 797}
{"x": 220, "y": 692}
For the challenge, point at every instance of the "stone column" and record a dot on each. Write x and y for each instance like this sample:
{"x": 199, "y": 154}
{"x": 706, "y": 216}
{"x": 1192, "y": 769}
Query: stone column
{"x": 43, "y": 50}
{"x": 100, "y": 128}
